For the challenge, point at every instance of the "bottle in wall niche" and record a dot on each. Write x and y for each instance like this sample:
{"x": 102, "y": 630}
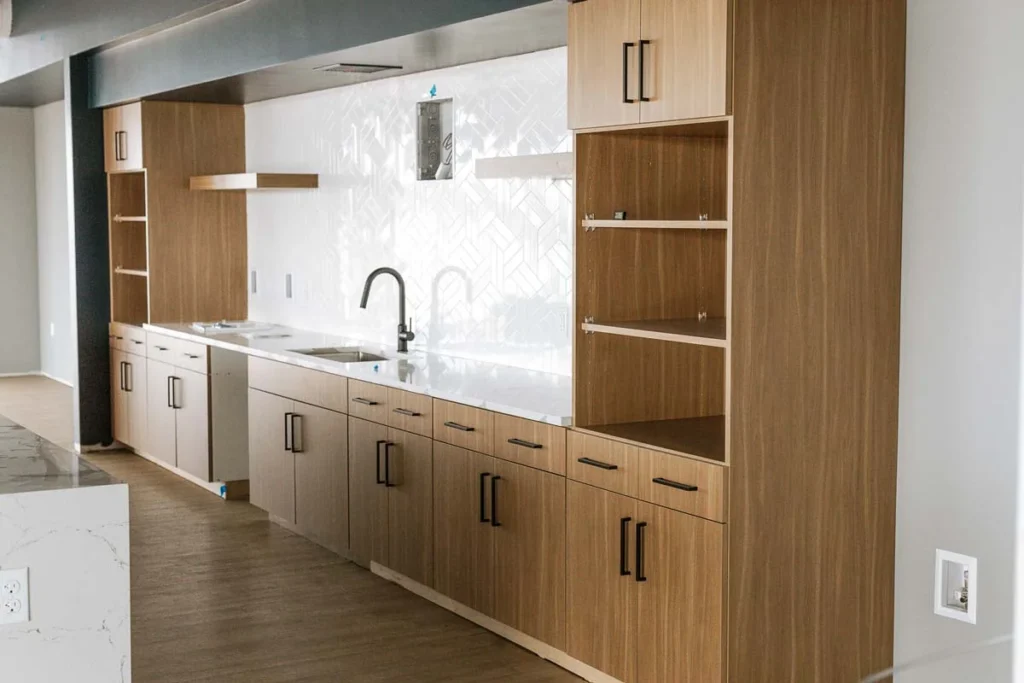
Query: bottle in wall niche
{"x": 435, "y": 140}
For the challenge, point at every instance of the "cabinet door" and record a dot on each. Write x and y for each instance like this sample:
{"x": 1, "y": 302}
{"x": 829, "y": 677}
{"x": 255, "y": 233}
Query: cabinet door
{"x": 271, "y": 465}
{"x": 603, "y": 51}
{"x": 367, "y": 496}
{"x": 680, "y": 617}
{"x": 601, "y": 590}
{"x": 529, "y": 551}
{"x": 135, "y": 380}
{"x": 192, "y": 403}
{"x": 161, "y": 439}
{"x": 321, "y": 476}
{"x": 463, "y": 535}
{"x": 122, "y": 138}
{"x": 409, "y": 470}
{"x": 119, "y": 397}
{"x": 686, "y": 59}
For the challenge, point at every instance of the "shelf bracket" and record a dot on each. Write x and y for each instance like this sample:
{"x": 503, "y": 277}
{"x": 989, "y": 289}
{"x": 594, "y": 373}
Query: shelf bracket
{"x": 587, "y": 320}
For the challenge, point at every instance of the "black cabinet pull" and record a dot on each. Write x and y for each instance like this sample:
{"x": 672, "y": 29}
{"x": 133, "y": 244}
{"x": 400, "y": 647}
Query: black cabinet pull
{"x": 640, "y": 552}
{"x": 406, "y": 412}
{"x": 387, "y": 464}
{"x": 287, "y": 425}
{"x": 461, "y": 428}
{"x": 643, "y": 43}
{"x": 624, "y": 546}
{"x": 524, "y": 444}
{"x": 494, "y": 501}
{"x": 160, "y": 348}
{"x": 129, "y": 377}
{"x": 625, "y": 73}
{"x": 117, "y": 145}
{"x": 170, "y": 392}
{"x": 597, "y": 463}
{"x": 121, "y": 366}
{"x": 297, "y": 430}
{"x": 174, "y": 393}
{"x": 483, "y": 497}
{"x": 379, "y": 444}
{"x": 364, "y": 401}
{"x": 192, "y": 356}
{"x": 674, "y": 484}
{"x": 136, "y": 342}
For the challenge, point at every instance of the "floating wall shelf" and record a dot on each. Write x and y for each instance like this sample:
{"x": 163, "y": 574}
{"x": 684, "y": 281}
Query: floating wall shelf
{"x": 255, "y": 181}
{"x": 129, "y": 219}
{"x": 526, "y": 166}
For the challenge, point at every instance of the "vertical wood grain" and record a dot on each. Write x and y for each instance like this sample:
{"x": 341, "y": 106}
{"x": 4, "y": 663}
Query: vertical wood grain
{"x": 271, "y": 467}
{"x": 161, "y": 439}
{"x": 411, "y": 506}
{"x": 192, "y": 423}
{"x": 321, "y": 477}
{"x": 368, "y": 500}
{"x": 597, "y": 30}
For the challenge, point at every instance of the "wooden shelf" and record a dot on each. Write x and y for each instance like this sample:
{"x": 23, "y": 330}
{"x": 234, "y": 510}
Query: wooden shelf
{"x": 710, "y": 332}
{"x": 700, "y": 437}
{"x": 526, "y": 166}
{"x": 595, "y": 223}
{"x": 129, "y": 219}
{"x": 132, "y": 272}
{"x": 255, "y": 181}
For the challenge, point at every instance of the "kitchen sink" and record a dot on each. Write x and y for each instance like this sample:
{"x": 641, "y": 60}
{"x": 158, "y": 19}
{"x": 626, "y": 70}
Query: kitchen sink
{"x": 340, "y": 355}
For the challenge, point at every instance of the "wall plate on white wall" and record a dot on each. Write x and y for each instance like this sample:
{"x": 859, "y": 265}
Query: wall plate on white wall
{"x": 956, "y": 586}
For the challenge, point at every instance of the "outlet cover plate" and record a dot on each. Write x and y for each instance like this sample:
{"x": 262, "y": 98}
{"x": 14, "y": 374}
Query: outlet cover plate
{"x": 949, "y": 571}
{"x": 14, "y": 608}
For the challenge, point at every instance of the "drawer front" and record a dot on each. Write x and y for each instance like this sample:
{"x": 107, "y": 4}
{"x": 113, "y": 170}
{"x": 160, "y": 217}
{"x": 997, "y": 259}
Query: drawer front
{"x": 672, "y": 481}
{"x": 191, "y": 356}
{"x": 309, "y": 386}
{"x": 603, "y": 463}
{"x": 530, "y": 443}
{"x": 162, "y": 348}
{"x": 464, "y": 426}
{"x": 411, "y": 412}
{"x": 368, "y": 401}
{"x": 128, "y": 338}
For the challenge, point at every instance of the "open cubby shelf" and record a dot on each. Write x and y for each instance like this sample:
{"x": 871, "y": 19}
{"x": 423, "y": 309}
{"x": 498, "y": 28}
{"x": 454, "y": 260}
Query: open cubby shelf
{"x": 700, "y": 437}
{"x": 131, "y": 272}
{"x": 708, "y": 332}
{"x": 129, "y": 219}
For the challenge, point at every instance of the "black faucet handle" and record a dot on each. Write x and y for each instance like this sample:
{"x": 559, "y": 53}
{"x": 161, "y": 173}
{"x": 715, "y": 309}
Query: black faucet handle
{"x": 406, "y": 333}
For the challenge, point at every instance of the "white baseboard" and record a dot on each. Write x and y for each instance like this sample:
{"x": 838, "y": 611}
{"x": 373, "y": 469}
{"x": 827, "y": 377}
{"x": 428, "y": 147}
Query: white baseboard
{"x": 65, "y": 382}
{"x": 217, "y": 488}
{"x": 35, "y": 373}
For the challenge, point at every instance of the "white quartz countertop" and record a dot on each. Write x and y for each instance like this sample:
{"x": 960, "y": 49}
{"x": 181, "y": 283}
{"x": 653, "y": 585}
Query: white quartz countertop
{"x": 541, "y": 396}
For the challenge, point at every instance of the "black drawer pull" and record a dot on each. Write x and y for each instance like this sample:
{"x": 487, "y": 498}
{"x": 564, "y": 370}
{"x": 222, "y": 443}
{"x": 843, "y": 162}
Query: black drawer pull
{"x": 193, "y": 357}
{"x": 483, "y": 496}
{"x": 287, "y": 425}
{"x": 379, "y": 444}
{"x": 297, "y": 429}
{"x": 160, "y": 348}
{"x": 597, "y": 463}
{"x": 364, "y": 401}
{"x": 406, "y": 412}
{"x": 640, "y": 552}
{"x": 674, "y": 484}
{"x": 136, "y": 341}
{"x": 387, "y": 465}
{"x": 524, "y": 444}
{"x": 624, "y": 546}
{"x": 494, "y": 501}
{"x": 461, "y": 428}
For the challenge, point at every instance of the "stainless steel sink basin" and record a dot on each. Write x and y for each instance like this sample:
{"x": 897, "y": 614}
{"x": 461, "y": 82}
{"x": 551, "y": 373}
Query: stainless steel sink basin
{"x": 340, "y": 355}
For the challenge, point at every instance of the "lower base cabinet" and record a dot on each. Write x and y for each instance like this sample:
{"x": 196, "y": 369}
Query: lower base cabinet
{"x": 161, "y": 441}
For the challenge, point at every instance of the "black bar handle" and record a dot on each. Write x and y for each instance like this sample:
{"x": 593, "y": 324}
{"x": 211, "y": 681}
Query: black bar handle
{"x": 129, "y": 377}
{"x": 364, "y": 401}
{"x": 625, "y": 73}
{"x": 287, "y": 424}
{"x": 494, "y": 501}
{"x": 640, "y": 552}
{"x": 524, "y": 444}
{"x": 121, "y": 366}
{"x": 674, "y": 484}
{"x": 643, "y": 43}
{"x": 387, "y": 464}
{"x": 406, "y": 412}
{"x": 297, "y": 430}
{"x": 174, "y": 393}
{"x": 160, "y": 348}
{"x": 137, "y": 342}
{"x": 461, "y": 428}
{"x": 170, "y": 391}
{"x": 624, "y": 546}
{"x": 380, "y": 443}
{"x": 597, "y": 463}
{"x": 191, "y": 355}
{"x": 483, "y": 497}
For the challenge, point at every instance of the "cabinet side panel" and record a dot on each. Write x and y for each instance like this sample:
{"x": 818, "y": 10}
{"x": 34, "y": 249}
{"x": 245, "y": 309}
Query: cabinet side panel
{"x": 819, "y": 107}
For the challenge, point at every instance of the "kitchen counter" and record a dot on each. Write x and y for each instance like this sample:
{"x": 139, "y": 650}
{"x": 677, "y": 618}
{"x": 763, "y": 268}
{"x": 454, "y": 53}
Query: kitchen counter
{"x": 30, "y": 463}
{"x": 540, "y": 396}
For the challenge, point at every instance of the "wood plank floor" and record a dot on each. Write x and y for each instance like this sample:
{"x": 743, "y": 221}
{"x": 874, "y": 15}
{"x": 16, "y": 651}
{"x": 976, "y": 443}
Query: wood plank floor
{"x": 221, "y": 594}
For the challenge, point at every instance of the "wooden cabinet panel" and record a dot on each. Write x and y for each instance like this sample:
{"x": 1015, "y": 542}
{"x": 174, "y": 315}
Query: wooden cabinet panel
{"x": 601, "y": 590}
{"x": 119, "y": 397}
{"x": 367, "y": 495}
{"x": 122, "y": 138}
{"x": 600, "y": 32}
{"x": 135, "y": 379}
{"x": 686, "y": 59}
{"x": 680, "y": 605}
{"x": 321, "y": 476}
{"x": 368, "y": 401}
{"x": 409, "y": 465}
{"x": 529, "y": 552}
{"x": 698, "y": 488}
{"x": 411, "y": 412}
{"x": 161, "y": 348}
{"x": 191, "y": 355}
{"x": 464, "y": 426}
{"x": 529, "y": 443}
{"x": 308, "y": 386}
{"x": 463, "y": 535}
{"x": 161, "y": 437}
{"x": 191, "y": 397}
{"x": 604, "y": 463}
{"x": 271, "y": 466}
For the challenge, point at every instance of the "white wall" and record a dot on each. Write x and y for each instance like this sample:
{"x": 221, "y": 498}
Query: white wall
{"x": 57, "y": 352}
{"x": 511, "y": 240}
{"x": 19, "y": 298}
{"x": 961, "y": 325}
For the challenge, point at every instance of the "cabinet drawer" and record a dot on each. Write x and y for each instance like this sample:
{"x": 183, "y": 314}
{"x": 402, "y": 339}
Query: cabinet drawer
{"x": 410, "y": 412}
{"x": 672, "y": 481}
{"x": 464, "y": 426}
{"x": 309, "y": 386}
{"x": 603, "y": 463}
{"x": 128, "y": 338}
{"x": 161, "y": 348}
{"x": 191, "y": 356}
{"x": 368, "y": 401}
{"x": 530, "y": 443}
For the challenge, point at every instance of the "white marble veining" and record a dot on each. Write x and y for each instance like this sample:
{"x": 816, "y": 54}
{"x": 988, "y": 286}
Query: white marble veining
{"x": 74, "y": 543}
{"x": 488, "y": 263}
{"x": 530, "y": 394}
{"x": 28, "y": 462}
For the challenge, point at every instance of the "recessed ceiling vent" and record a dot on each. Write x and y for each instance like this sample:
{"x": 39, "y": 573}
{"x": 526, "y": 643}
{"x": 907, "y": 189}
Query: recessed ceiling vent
{"x": 355, "y": 68}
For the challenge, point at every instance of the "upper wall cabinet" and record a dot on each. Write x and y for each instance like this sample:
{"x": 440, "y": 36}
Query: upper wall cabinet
{"x": 122, "y": 138}
{"x": 646, "y": 61}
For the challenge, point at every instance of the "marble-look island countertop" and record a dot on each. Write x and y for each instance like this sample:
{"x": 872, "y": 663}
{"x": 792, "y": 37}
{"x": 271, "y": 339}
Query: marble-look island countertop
{"x": 541, "y": 396}
{"x": 28, "y": 463}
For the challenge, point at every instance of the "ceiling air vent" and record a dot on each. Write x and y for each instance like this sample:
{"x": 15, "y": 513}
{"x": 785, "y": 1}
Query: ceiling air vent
{"x": 355, "y": 68}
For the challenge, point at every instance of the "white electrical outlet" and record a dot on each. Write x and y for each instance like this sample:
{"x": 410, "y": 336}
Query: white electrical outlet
{"x": 14, "y": 596}
{"x": 956, "y": 586}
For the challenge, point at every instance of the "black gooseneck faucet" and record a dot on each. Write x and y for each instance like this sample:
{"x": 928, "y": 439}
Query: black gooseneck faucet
{"x": 405, "y": 334}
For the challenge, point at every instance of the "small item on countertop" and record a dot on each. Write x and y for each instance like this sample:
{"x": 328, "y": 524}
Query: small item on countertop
{"x": 620, "y": 215}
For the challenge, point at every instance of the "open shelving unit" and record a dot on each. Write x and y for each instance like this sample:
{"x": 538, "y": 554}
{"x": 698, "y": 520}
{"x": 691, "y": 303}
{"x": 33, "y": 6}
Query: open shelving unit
{"x": 129, "y": 247}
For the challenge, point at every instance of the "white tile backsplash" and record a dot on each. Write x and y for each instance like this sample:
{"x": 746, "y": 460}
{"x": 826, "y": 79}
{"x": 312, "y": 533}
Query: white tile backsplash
{"x": 487, "y": 263}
